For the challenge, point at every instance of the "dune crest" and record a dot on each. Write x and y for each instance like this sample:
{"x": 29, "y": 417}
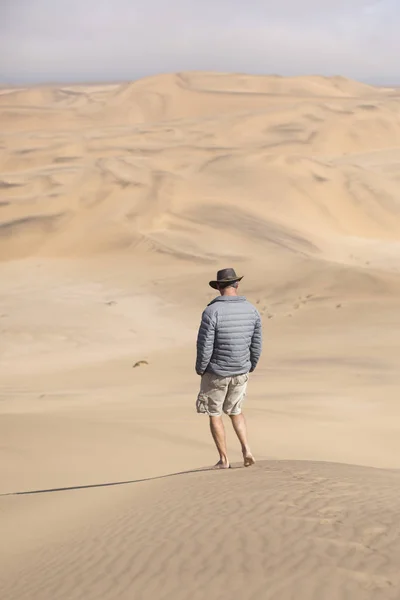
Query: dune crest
{"x": 290, "y": 529}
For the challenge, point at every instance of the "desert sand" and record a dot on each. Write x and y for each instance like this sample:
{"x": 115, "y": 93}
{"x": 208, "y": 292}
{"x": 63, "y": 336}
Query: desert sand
{"x": 118, "y": 203}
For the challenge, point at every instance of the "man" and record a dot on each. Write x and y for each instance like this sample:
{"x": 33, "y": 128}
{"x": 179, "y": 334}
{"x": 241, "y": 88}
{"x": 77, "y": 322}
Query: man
{"x": 228, "y": 349}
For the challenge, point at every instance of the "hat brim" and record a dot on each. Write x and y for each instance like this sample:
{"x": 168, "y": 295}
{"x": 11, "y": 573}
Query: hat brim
{"x": 214, "y": 284}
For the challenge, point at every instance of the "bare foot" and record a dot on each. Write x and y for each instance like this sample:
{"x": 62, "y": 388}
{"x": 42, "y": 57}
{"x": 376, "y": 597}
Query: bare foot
{"x": 222, "y": 465}
{"x": 249, "y": 459}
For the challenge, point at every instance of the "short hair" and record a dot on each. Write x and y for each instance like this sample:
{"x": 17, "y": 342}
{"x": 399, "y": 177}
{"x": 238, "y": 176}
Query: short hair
{"x": 224, "y": 286}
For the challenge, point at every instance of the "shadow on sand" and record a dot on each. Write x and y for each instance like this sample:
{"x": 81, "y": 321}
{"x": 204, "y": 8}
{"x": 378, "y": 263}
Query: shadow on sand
{"x": 112, "y": 483}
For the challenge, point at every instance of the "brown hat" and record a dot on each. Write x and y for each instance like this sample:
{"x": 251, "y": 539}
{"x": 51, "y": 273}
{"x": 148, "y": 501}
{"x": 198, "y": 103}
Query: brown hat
{"x": 225, "y": 276}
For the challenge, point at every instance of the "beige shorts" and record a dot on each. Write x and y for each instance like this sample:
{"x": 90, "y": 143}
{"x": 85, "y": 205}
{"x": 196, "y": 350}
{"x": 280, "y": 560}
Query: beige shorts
{"x": 219, "y": 394}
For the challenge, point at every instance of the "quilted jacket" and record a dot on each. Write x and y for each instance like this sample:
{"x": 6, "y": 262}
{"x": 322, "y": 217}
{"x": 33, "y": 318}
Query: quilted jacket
{"x": 230, "y": 339}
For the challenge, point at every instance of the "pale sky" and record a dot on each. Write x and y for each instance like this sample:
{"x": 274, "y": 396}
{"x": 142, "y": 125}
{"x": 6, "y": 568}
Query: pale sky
{"x": 101, "y": 40}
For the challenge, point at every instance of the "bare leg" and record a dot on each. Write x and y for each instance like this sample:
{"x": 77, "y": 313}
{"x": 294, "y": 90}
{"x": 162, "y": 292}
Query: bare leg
{"x": 239, "y": 425}
{"x": 218, "y": 432}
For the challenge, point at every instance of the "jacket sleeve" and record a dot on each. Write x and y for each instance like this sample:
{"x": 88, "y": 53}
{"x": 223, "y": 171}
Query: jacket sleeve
{"x": 205, "y": 342}
{"x": 256, "y": 343}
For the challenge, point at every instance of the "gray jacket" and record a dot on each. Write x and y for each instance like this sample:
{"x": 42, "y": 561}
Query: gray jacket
{"x": 229, "y": 339}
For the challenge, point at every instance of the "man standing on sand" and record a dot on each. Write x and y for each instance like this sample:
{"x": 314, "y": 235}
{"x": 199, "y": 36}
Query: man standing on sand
{"x": 228, "y": 349}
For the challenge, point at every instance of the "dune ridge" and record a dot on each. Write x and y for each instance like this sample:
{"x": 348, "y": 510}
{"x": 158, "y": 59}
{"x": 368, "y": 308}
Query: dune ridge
{"x": 135, "y": 160}
{"x": 282, "y": 530}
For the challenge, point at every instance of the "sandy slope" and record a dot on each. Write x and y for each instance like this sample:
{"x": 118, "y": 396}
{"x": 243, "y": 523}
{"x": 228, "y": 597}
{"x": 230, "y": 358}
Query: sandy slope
{"x": 117, "y": 205}
{"x": 281, "y": 530}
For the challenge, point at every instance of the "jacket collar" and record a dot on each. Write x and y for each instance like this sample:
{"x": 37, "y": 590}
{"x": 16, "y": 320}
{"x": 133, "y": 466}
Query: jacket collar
{"x": 227, "y": 299}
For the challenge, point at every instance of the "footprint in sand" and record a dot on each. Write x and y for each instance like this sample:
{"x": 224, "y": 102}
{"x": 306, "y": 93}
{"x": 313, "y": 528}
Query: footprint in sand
{"x": 302, "y": 301}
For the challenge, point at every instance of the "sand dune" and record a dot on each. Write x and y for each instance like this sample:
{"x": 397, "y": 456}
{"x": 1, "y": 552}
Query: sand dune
{"x": 117, "y": 205}
{"x": 283, "y": 530}
{"x": 97, "y": 169}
